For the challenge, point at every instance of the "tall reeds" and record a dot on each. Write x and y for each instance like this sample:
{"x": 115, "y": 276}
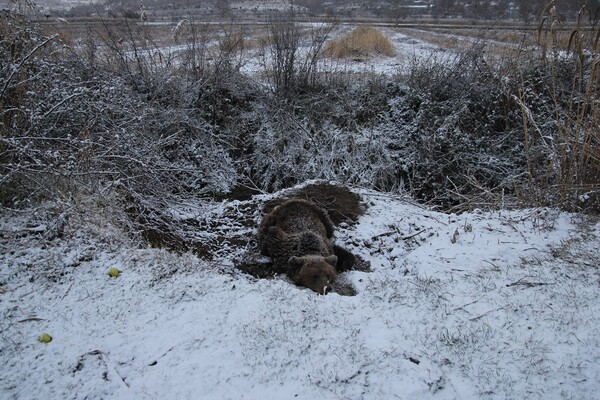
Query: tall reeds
{"x": 574, "y": 86}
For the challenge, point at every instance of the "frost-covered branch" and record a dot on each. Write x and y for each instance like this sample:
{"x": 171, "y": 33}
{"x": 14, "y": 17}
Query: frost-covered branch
{"x": 17, "y": 68}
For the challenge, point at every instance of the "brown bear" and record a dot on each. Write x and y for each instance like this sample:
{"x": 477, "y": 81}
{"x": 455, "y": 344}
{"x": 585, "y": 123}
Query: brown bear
{"x": 297, "y": 236}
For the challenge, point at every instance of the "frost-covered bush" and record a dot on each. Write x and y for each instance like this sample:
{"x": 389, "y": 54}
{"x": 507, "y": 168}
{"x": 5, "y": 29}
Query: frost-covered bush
{"x": 463, "y": 132}
{"x": 454, "y": 134}
{"x": 289, "y": 69}
{"x": 289, "y": 151}
{"x": 449, "y": 134}
{"x": 71, "y": 124}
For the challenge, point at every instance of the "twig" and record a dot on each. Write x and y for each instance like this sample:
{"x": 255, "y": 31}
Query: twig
{"x": 63, "y": 101}
{"x": 414, "y": 234}
{"x": 486, "y": 313}
{"x": 18, "y": 67}
{"x": 31, "y": 319}
{"x": 388, "y": 233}
{"x": 523, "y": 282}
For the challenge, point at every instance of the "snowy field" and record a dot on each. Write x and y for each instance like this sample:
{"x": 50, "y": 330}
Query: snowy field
{"x": 479, "y": 305}
{"x": 407, "y": 49}
{"x": 255, "y": 61}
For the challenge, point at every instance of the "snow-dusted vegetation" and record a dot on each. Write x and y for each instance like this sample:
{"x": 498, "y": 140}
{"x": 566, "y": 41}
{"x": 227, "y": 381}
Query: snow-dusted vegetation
{"x": 137, "y": 160}
{"x": 231, "y": 106}
{"x": 484, "y": 304}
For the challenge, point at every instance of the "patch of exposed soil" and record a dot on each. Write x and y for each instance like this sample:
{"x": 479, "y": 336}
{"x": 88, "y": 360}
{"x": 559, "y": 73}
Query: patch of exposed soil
{"x": 341, "y": 203}
{"x": 222, "y": 229}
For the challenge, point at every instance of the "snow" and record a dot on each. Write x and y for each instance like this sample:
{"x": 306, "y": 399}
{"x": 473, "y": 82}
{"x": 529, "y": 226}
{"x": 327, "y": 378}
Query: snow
{"x": 408, "y": 50}
{"x": 500, "y": 304}
{"x": 255, "y": 61}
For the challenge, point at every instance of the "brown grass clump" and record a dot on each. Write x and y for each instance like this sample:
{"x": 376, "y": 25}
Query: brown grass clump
{"x": 361, "y": 42}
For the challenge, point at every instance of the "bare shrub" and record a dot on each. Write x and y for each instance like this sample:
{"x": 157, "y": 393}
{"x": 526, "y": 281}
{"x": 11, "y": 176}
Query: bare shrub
{"x": 132, "y": 53}
{"x": 293, "y": 53}
{"x": 284, "y": 157}
{"x": 20, "y": 52}
{"x": 457, "y": 135}
{"x": 67, "y": 128}
{"x": 284, "y": 38}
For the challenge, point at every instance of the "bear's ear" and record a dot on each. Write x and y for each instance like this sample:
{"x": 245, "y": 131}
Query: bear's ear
{"x": 295, "y": 261}
{"x": 346, "y": 260}
{"x": 331, "y": 260}
{"x": 294, "y": 265}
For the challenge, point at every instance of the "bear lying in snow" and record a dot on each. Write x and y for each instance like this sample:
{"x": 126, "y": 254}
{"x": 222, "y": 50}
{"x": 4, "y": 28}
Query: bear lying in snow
{"x": 297, "y": 236}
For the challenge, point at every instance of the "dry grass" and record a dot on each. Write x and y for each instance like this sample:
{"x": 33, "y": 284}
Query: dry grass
{"x": 361, "y": 42}
{"x": 575, "y": 160}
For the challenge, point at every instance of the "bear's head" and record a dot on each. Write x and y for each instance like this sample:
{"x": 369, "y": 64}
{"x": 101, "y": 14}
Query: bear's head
{"x": 313, "y": 271}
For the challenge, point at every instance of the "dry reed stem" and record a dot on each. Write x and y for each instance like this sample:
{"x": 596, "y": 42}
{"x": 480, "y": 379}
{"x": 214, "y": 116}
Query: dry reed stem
{"x": 576, "y": 160}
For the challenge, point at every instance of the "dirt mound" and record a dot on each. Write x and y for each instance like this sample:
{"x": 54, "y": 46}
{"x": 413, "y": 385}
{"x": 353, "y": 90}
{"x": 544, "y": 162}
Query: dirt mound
{"x": 227, "y": 230}
{"x": 341, "y": 203}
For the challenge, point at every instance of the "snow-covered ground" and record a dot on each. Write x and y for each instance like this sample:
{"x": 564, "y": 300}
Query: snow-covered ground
{"x": 269, "y": 5}
{"x": 407, "y": 49}
{"x": 255, "y": 61}
{"x": 494, "y": 305}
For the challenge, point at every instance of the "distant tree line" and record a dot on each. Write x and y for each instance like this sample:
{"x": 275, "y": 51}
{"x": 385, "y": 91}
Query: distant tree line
{"x": 523, "y": 10}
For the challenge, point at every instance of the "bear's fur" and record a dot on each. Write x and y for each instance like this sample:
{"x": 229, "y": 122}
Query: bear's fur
{"x": 297, "y": 235}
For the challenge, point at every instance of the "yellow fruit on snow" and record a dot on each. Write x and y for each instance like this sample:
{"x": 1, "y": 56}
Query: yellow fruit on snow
{"x": 113, "y": 272}
{"x": 45, "y": 338}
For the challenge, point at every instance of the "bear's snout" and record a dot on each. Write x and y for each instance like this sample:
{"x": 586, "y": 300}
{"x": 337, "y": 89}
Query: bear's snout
{"x": 317, "y": 275}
